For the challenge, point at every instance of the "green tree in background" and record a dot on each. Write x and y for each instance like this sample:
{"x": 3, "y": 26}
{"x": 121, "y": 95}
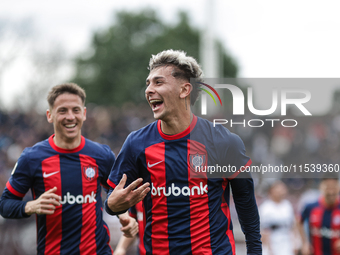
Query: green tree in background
{"x": 114, "y": 69}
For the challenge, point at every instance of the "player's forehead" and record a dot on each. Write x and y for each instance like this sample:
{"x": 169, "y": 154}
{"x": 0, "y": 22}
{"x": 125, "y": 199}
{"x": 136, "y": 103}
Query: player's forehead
{"x": 67, "y": 100}
{"x": 329, "y": 183}
{"x": 164, "y": 72}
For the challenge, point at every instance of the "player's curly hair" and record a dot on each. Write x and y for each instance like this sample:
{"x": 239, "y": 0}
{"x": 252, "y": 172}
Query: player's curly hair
{"x": 185, "y": 67}
{"x": 71, "y": 88}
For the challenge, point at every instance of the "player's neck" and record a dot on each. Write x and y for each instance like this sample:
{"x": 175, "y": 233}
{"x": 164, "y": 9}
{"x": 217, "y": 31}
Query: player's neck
{"x": 68, "y": 144}
{"x": 176, "y": 124}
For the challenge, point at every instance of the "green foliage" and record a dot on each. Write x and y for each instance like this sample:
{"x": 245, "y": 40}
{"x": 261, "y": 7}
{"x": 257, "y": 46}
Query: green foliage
{"x": 114, "y": 70}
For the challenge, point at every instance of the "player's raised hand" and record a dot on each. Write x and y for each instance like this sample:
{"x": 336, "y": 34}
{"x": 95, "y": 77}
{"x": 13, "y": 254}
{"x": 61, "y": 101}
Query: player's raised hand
{"x": 122, "y": 198}
{"x": 45, "y": 204}
{"x": 129, "y": 225}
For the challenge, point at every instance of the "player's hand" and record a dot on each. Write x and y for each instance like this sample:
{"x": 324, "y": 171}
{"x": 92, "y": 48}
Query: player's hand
{"x": 306, "y": 249}
{"x": 129, "y": 225}
{"x": 122, "y": 199}
{"x": 45, "y": 204}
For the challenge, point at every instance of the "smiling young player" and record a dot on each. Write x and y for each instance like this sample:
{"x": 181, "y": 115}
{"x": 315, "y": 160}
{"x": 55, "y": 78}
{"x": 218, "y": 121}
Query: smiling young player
{"x": 65, "y": 173}
{"x": 184, "y": 215}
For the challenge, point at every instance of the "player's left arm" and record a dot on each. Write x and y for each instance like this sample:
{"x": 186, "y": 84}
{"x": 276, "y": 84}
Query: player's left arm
{"x": 126, "y": 189}
{"x": 120, "y": 199}
{"x": 245, "y": 203}
{"x": 243, "y": 193}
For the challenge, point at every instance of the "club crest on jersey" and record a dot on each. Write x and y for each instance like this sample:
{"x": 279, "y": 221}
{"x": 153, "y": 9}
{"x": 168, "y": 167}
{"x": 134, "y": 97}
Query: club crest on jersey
{"x": 197, "y": 160}
{"x": 90, "y": 172}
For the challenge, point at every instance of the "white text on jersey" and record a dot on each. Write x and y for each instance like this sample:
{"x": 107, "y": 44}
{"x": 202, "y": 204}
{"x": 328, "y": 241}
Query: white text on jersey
{"x": 79, "y": 199}
{"x": 176, "y": 191}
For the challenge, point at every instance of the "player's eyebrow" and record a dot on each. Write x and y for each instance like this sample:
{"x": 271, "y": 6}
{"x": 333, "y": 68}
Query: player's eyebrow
{"x": 154, "y": 78}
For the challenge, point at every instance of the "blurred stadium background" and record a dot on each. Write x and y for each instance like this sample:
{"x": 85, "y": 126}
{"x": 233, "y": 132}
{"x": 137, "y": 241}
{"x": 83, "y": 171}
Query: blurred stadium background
{"x": 112, "y": 69}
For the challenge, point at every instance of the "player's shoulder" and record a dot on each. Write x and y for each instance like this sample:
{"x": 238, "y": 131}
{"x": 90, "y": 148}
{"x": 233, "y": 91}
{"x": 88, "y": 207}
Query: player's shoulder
{"x": 214, "y": 129}
{"x": 36, "y": 149}
{"x": 312, "y": 205}
{"x": 143, "y": 133}
{"x": 97, "y": 148}
{"x": 217, "y": 133}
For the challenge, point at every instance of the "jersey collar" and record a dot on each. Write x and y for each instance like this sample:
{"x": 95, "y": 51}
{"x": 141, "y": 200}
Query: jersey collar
{"x": 179, "y": 135}
{"x": 61, "y": 150}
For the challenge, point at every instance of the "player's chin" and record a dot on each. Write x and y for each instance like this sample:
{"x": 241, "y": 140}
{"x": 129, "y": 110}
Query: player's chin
{"x": 157, "y": 115}
{"x": 72, "y": 135}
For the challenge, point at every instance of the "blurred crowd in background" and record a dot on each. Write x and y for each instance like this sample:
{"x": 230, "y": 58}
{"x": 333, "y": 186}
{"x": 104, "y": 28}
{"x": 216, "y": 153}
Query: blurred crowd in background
{"x": 313, "y": 140}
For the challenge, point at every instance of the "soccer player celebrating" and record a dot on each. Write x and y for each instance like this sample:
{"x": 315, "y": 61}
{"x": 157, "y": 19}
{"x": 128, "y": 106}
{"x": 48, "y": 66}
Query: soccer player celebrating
{"x": 184, "y": 215}
{"x": 65, "y": 173}
{"x": 323, "y": 221}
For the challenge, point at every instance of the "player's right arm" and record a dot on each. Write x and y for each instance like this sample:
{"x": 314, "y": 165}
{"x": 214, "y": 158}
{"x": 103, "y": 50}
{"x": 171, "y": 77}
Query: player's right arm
{"x": 126, "y": 189}
{"x": 121, "y": 199}
{"x": 306, "y": 248}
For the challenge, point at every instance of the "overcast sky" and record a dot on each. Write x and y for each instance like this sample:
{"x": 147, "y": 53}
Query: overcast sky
{"x": 282, "y": 38}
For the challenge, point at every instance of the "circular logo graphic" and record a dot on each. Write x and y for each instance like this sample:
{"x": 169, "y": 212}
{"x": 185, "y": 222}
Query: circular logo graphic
{"x": 197, "y": 160}
{"x": 90, "y": 172}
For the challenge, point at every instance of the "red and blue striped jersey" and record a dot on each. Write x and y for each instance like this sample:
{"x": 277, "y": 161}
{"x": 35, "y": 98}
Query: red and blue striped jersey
{"x": 77, "y": 226}
{"x": 187, "y": 214}
{"x": 323, "y": 225}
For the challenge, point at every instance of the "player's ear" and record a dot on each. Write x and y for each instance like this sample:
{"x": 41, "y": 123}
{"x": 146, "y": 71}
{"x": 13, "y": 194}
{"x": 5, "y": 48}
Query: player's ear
{"x": 49, "y": 116}
{"x": 185, "y": 90}
{"x": 84, "y": 113}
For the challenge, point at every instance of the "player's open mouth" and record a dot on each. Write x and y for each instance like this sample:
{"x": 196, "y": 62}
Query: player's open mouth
{"x": 70, "y": 126}
{"x": 155, "y": 104}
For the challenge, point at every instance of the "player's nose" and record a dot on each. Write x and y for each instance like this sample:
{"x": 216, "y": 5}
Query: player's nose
{"x": 149, "y": 90}
{"x": 70, "y": 115}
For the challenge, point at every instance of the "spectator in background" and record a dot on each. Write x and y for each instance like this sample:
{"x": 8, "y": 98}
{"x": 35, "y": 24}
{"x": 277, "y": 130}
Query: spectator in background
{"x": 277, "y": 222}
{"x": 321, "y": 219}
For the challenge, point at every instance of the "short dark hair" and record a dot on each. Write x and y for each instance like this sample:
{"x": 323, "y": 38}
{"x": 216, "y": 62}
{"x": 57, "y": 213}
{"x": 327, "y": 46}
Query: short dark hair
{"x": 71, "y": 88}
{"x": 185, "y": 67}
